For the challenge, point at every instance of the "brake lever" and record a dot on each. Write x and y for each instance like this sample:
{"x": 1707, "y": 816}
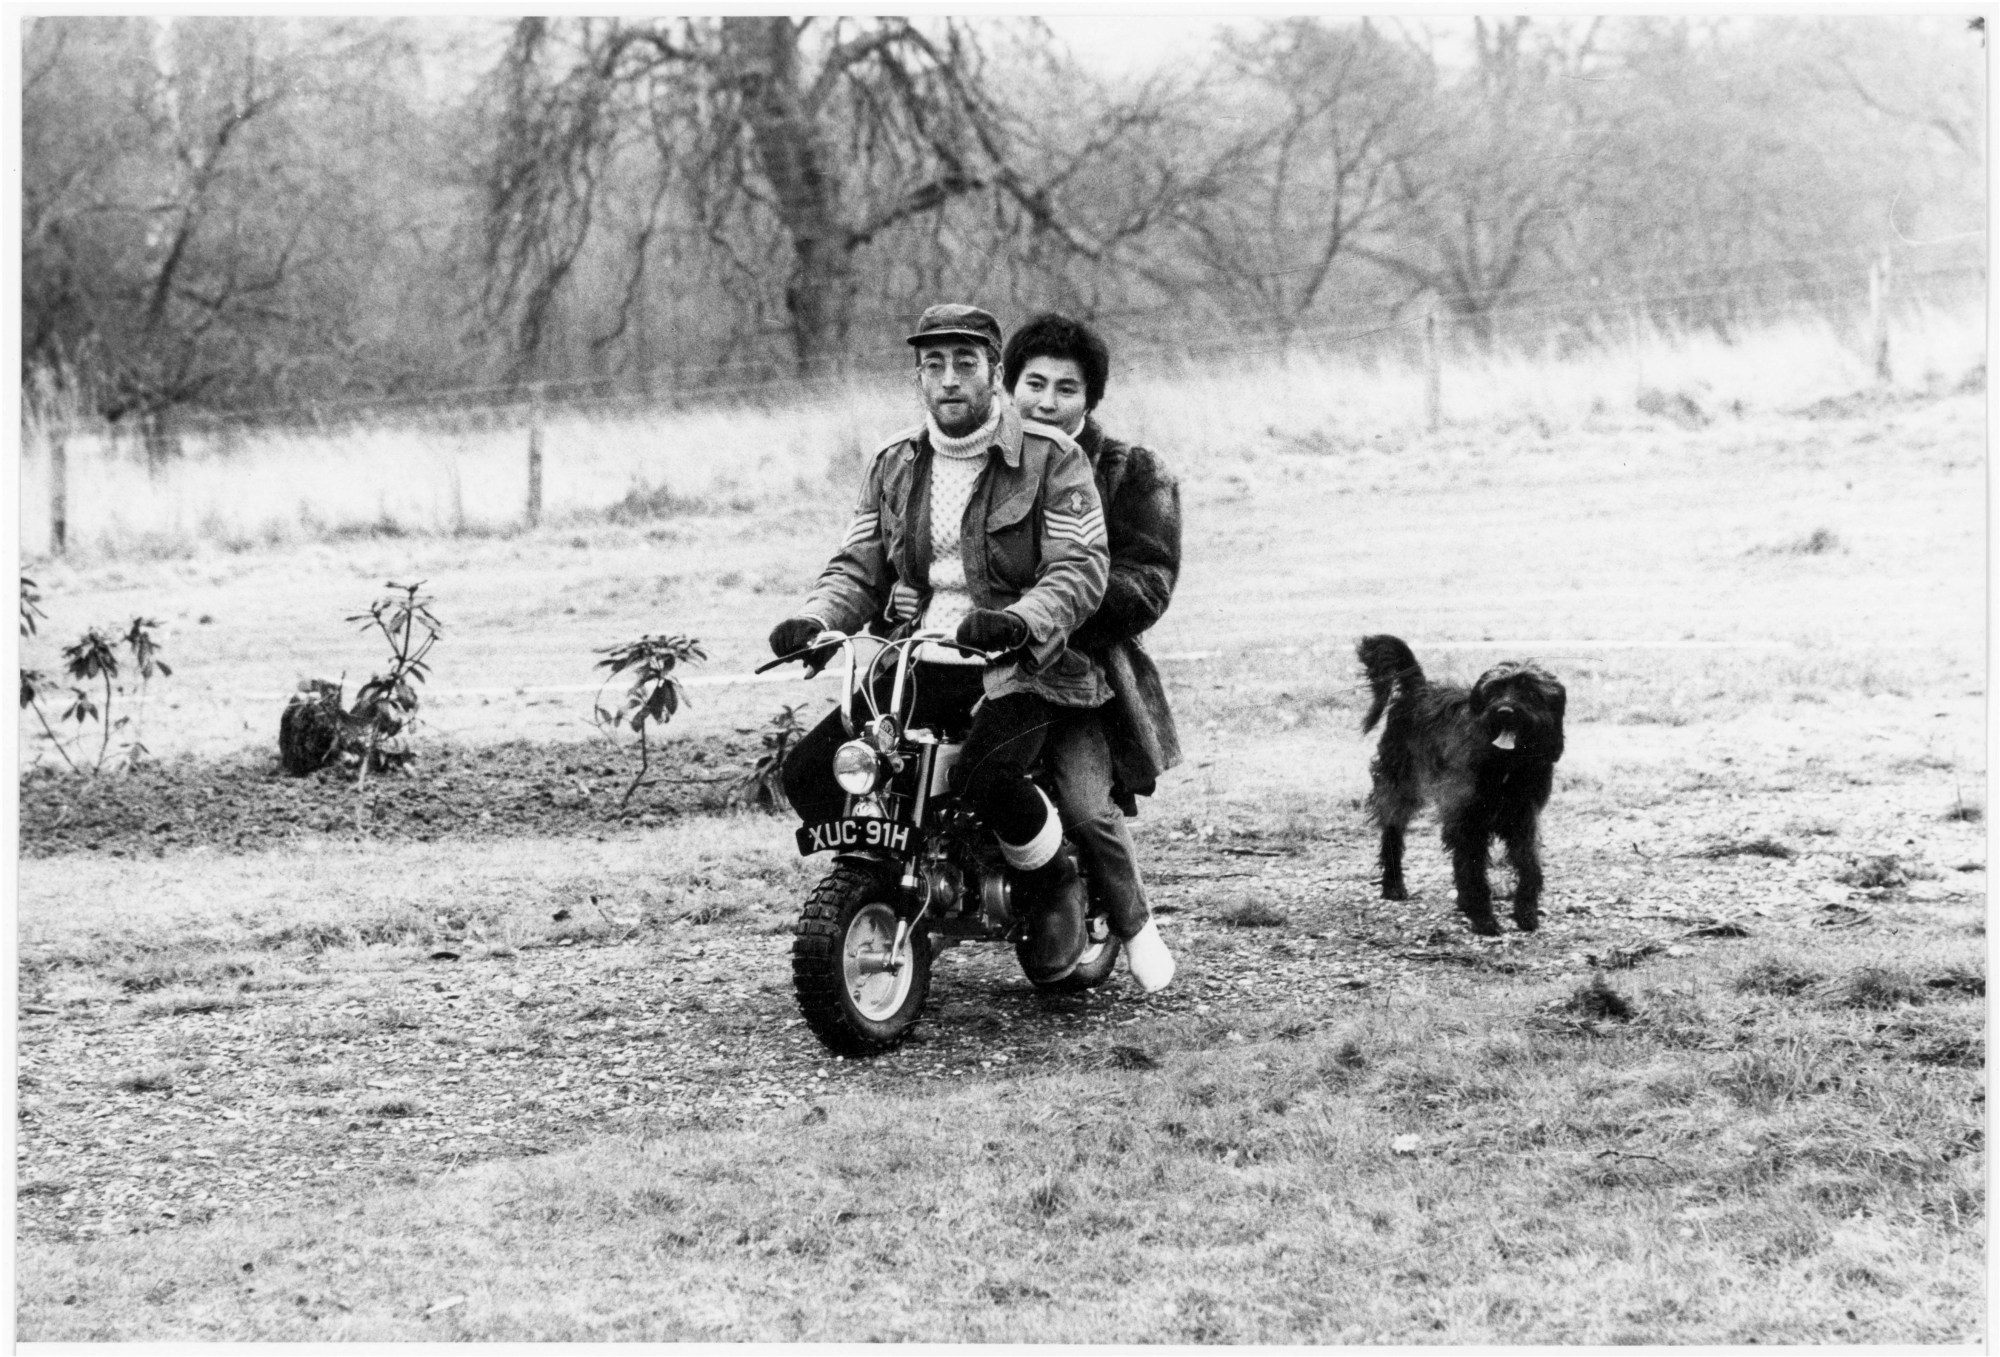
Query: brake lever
{"x": 806, "y": 654}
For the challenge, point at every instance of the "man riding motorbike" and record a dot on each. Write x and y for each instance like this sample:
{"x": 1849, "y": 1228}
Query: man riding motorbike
{"x": 995, "y": 525}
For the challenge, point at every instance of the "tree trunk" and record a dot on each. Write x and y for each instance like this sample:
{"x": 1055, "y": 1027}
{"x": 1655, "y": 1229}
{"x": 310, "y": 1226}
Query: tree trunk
{"x": 763, "y": 58}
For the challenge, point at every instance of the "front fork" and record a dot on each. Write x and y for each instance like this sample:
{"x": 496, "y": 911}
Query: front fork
{"x": 927, "y": 759}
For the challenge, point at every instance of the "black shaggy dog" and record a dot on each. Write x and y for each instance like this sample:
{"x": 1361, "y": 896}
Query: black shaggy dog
{"x": 1486, "y": 755}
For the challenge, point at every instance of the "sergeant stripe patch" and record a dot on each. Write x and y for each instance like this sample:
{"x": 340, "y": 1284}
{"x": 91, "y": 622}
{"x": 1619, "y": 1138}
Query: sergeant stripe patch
{"x": 1085, "y": 529}
{"x": 863, "y": 528}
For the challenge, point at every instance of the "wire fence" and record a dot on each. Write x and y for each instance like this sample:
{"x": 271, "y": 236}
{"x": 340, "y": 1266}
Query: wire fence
{"x": 1558, "y": 317}
{"x": 1567, "y": 313}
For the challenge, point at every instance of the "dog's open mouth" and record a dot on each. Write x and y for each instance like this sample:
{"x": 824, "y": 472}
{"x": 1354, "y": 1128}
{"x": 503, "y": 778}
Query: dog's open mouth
{"x": 1504, "y": 740}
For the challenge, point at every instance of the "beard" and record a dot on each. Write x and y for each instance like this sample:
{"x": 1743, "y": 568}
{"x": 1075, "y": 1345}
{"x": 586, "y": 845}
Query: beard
{"x": 957, "y": 420}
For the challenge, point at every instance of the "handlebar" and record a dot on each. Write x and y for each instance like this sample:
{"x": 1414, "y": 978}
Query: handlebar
{"x": 904, "y": 648}
{"x": 828, "y": 639}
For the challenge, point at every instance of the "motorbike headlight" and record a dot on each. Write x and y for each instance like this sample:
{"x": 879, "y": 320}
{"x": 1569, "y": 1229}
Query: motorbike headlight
{"x": 857, "y": 768}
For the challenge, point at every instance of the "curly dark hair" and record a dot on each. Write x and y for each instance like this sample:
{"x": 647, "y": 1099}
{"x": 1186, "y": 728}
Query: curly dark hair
{"x": 1055, "y": 336}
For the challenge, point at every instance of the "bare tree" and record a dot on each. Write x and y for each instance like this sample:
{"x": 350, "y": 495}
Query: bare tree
{"x": 203, "y": 202}
{"x": 827, "y": 134}
{"x": 1503, "y": 157}
{"x": 1324, "y": 118}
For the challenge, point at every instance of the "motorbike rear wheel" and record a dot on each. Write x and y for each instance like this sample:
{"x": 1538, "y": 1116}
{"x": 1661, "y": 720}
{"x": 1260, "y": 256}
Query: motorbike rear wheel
{"x": 1100, "y": 959}
{"x": 846, "y": 929}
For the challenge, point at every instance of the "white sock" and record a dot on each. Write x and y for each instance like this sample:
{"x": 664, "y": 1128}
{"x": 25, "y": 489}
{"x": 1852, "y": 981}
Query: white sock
{"x": 1152, "y": 964}
{"x": 1036, "y": 852}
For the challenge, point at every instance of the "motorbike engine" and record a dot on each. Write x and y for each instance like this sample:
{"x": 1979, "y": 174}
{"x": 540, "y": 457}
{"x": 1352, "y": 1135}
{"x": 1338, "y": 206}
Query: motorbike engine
{"x": 996, "y": 899}
{"x": 944, "y": 886}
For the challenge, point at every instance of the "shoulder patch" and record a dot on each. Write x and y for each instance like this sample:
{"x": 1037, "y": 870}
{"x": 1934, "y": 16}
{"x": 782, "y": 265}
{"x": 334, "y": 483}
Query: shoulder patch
{"x": 1050, "y": 432}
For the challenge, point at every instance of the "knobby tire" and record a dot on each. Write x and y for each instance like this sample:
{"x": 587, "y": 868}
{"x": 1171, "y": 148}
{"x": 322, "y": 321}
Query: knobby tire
{"x": 818, "y": 981}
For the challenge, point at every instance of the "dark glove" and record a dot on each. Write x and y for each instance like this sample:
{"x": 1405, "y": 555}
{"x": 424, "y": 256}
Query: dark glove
{"x": 794, "y": 633}
{"x": 992, "y": 630}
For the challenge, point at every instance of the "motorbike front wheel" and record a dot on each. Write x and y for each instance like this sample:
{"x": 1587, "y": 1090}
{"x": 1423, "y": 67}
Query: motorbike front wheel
{"x": 851, "y": 998}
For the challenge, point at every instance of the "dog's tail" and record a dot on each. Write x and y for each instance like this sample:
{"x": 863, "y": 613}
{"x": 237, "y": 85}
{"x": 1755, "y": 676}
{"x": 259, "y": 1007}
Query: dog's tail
{"x": 1390, "y": 665}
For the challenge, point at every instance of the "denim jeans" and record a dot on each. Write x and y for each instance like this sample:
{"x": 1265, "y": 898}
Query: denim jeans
{"x": 1080, "y": 767}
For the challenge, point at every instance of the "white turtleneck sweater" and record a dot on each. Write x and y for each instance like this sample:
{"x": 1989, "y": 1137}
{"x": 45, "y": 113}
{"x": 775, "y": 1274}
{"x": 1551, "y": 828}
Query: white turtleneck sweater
{"x": 954, "y": 472}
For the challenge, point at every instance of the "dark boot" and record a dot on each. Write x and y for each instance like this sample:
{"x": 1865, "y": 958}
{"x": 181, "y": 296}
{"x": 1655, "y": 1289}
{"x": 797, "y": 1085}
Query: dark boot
{"x": 1052, "y": 902}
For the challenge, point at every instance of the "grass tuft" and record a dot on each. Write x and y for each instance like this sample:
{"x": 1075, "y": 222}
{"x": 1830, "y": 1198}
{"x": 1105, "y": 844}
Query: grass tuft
{"x": 1778, "y": 975}
{"x": 1598, "y": 1000}
{"x": 389, "y": 1105}
{"x": 1050, "y": 1196}
{"x": 1252, "y": 912}
{"x": 1878, "y": 987}
{"x": 1765, "y": 847}
{"x": 150, "y": 1079}
{"x": 174, "y": 1005}
{"x": 1960, "y": 978}
{"x": 1880, "y": 873}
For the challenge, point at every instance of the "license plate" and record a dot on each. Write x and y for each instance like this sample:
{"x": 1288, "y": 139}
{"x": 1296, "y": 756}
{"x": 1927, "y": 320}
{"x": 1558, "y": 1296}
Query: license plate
{"x": 855, "y": 832}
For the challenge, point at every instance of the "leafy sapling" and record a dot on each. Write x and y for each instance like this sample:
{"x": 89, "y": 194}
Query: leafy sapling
{"x": 764, "y": 784}
{"x": 387, "y": 702}
{"x": 31, "y": 612}
{"x": 92, "y": 661}
{"x": 34, "y": 683}
{"x": 654, "y": 695}
{"x": 316, "y": 729}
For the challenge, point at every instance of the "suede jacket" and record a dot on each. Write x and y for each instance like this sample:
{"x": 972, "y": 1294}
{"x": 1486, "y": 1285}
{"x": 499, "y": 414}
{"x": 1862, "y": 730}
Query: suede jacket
{"x": 1142, "y": 506}
{"x": 1033, "y": 543}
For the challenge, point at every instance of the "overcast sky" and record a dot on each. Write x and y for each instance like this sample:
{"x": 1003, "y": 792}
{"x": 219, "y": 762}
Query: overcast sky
{"x": 1121, "y": 43}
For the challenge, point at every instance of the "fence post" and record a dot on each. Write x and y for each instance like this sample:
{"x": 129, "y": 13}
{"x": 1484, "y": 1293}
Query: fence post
{"x": 1878, "y": 316}
{"x": 58, "y": 489}
{"x": 1637, "y": 329}
{"x": 535, "y": 456}
{"x": 1433, "y": 375}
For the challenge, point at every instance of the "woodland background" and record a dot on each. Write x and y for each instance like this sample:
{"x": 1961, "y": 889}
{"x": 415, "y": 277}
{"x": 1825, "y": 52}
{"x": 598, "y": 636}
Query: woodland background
{"x": 249, "y": 220}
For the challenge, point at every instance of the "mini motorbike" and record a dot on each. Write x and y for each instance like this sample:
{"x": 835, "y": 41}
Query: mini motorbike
{"x": 914, "y": 869}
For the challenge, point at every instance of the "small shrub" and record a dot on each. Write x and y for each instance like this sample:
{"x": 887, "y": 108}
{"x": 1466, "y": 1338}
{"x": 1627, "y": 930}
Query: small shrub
{"x": 764, "y": 785}
{"x": 316, "y": 730}
{"x": 654, "y": 695}
{"x": 91, "y": 660}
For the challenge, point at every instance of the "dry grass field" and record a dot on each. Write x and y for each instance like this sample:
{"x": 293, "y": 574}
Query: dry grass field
{"x": 529, "y": 1068}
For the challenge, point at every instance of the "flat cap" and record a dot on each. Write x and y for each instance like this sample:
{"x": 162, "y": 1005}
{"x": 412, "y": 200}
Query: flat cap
{"x": 951, "y": 320}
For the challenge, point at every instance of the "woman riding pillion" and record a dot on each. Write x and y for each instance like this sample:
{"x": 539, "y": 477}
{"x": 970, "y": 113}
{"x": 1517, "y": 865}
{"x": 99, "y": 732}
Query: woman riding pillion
{"x": 996, "y": 523}
{"x": 1055, "y": 369}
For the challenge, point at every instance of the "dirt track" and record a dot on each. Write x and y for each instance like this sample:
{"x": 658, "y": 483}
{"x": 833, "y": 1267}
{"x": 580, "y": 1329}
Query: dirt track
{"x": 318, "y": 1067}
